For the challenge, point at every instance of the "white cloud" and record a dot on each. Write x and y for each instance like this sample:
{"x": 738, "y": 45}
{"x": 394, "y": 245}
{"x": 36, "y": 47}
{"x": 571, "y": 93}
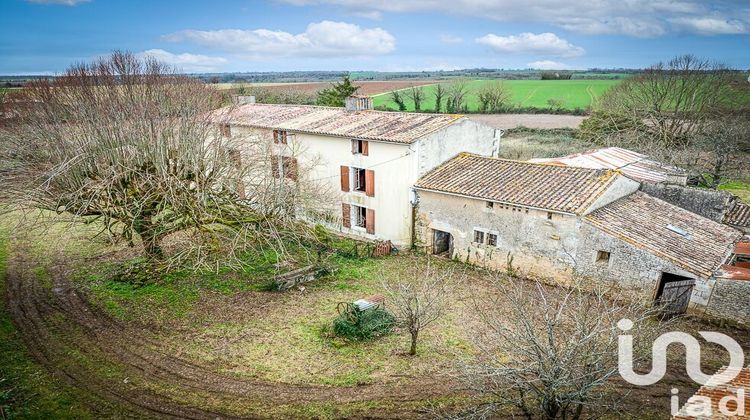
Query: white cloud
{"x": 547, "y": 65}
{"x": 187, "y": 62}
{"x": 63, "y": 2}
{"x": 639, "y": 18}
{"x": 451, "y": 39}
{"x": 711, "y": 26}
{"x": 322, "y": 39}
{"x": 531, "y": 44}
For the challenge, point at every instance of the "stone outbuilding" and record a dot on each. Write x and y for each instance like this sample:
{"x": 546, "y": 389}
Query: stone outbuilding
{"x": 560, "y": 221}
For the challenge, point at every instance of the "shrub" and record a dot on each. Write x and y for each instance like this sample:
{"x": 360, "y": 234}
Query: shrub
{"x": 357, "y": 325}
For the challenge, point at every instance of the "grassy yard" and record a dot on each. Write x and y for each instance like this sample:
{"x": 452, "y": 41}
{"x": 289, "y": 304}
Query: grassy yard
{"x": 221, "y": 344}
{"x": 525, "y": 94}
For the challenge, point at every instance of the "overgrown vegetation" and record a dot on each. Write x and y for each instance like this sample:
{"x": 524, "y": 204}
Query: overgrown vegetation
{"x": 688, "y": 111}
{"x": 357, "y": 325}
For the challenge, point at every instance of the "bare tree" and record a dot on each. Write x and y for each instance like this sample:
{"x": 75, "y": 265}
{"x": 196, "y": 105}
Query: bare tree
{"x": 398, "y": 99}
{"x": 457, "y": 91}
{"x": 673, "y": 98}
{"x": 717, "y": 149}
{"x": 416, "y": 94}
{"x": 493, "y": 96}
{"x": 417, "y": 294}
{"x": 132, "y": 144}
{"x": 548, "y": 351}
{"x": 440, "y": 94}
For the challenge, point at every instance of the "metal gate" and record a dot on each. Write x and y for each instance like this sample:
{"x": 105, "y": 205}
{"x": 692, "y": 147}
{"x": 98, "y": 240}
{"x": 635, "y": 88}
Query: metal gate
{"x": 675, "y": 296}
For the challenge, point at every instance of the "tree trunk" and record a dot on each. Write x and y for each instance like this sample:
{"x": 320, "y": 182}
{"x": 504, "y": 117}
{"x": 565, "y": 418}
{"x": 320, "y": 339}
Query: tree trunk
{"x": 414, "y": 336}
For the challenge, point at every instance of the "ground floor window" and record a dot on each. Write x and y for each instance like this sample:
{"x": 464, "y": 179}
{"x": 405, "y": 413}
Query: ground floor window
{"x": 492, "y": 239}
{"x": 478, "y": 236}
{"x": 360, "y": 216}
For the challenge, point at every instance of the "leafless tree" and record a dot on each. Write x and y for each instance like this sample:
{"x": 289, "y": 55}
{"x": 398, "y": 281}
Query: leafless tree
{"x": 416, "y": 295}
{"x": 672, "y": 99}
{"x": 457, "y": 91}
{"x": 440, "y": 94}
{"x": 493, "y": 96}
{"x": 416, "y": 94}
{"x": 398, "y": 99}
{"x": 130, "y": 143}
{"x": 549, "y": 351}
{"x": 717, "y": 150}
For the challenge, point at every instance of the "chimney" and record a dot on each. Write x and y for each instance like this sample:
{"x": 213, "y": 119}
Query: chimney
{"x": 244, "y": 100}
{"x": 358, "y": 103}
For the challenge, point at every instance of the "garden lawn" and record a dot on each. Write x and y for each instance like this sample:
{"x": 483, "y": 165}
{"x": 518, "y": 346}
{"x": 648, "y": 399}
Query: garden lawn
{"x": 573, "y": 94}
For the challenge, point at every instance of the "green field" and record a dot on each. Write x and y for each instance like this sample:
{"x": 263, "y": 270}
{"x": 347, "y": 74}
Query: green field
{"x": 525, "y": 94}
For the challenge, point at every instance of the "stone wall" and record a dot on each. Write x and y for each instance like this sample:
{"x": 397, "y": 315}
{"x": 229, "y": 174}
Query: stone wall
{"x": 630, "y": 266}
{"x": 708, "y": 203}
{"x": 539, "y": 245}
{"x": 730, "y": 300}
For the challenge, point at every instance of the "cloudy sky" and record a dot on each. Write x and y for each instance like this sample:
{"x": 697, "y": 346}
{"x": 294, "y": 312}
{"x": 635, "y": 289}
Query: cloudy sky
{"x": 45, "y": 36}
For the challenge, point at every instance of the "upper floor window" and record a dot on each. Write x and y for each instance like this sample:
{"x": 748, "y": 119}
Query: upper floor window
{"x": 226, "y": 130}
{"x": 360, "y": 179}
{"x": 360, "y": 147}
{"x": 280, "y": 136}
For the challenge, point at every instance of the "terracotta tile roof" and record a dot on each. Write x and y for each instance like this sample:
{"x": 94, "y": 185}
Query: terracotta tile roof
{"x": 692, "y": 242}
{"x": 632, "y": 164}
{"x": 738, "y": 215}
{"x": 551, "y": 187}
{"x": 397, "y": 127}
{"x": 716, "y": 393}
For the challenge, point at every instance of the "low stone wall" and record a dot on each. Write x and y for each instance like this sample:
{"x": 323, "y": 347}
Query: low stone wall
{"x": 730, "y": 300}
{"x": 707, "y": 203}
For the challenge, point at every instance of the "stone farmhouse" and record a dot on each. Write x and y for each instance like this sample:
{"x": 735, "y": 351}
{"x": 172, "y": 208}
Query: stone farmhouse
{"x": 431, "y": 182}
{"x": 370, "y": 158}
{"x": 564, "y": 221}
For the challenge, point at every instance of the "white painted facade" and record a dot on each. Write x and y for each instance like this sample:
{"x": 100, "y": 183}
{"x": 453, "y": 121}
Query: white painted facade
{"x": 396, "y": 167}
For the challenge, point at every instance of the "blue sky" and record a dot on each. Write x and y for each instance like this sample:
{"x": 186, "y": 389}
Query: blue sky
{"x": 45, "y": 36}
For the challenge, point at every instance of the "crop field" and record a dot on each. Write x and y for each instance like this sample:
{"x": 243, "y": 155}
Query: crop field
{"x": 365, "y": 87}
{"x": 571, "y": 94}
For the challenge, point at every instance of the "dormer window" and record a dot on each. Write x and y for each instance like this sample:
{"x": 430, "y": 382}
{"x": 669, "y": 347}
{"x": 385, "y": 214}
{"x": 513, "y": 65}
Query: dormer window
{"x": 226, "y": 130}
{"x": 360, "y": 147}
{"x": 280, "y": 136}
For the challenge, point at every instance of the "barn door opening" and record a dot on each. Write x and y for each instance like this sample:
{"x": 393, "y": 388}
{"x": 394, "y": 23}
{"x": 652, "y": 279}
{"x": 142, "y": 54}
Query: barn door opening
{"x": 673, "y": 294}
{"x": 442, "y": 242}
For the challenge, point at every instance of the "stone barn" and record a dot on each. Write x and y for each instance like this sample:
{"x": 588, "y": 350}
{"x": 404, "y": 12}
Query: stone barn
{"x": 560, "y": 221}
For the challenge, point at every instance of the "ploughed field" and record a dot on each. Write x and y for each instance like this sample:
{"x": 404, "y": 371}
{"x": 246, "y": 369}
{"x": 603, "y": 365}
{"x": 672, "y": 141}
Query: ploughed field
{"x": 569, "y": 94}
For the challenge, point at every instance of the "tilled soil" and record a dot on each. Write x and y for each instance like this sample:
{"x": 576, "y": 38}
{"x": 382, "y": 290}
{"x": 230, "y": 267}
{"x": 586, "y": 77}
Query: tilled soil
{"x": 128, "y": 366}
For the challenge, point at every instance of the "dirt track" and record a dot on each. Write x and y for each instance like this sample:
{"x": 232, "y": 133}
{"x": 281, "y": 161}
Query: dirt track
{"x": 127, "y": 366}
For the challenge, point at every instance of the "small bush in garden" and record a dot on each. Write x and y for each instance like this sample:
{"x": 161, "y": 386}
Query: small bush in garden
{"x": 360, "y": 325}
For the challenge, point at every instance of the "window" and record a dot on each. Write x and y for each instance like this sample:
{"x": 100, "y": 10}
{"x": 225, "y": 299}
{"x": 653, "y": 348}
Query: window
{"x": 280, "y": 136}
{"x": 284, "y": 168}
{"x": 478, "y": 236}
{"x": 490, "y": 205}
{"x": 602, "y": 256}
{"x": 492, "y": 239}
{"x": 226, "y": 130}
{"x": 360, "y": 147}
{"x": 360, "y": 216}
{"x": 549, "y": 215}
{"x": 360, "y": 180}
